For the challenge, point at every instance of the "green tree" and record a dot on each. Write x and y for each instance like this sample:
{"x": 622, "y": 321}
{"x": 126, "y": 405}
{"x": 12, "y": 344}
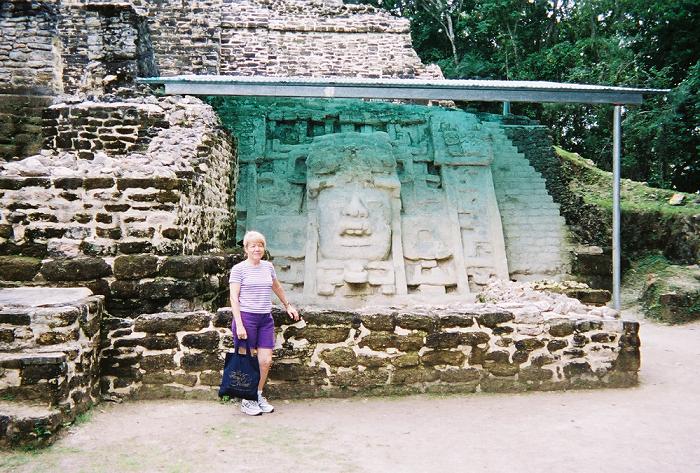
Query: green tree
{"x": 634, "y": 43}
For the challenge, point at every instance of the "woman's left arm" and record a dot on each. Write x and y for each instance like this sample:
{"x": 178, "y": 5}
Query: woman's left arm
{"x": 279, "y": 292}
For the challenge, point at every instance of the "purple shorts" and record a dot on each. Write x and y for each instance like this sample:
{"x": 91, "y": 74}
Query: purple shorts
{"x": 260, "y": 328}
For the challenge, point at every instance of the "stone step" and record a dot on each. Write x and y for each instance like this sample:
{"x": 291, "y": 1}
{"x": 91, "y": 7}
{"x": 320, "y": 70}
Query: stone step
{"x": 517, "y": 176}
{"x": 501, "y": 165}
{"x": 538, "y": 194}
{"x": 519, "y": 206}
{"x": 15, "y": 317}
{"x": 531, "y": 209}
{"x": 510, "y": 161}
{"x": 532, "y": 191}
{"x": 523, "y": 218}
{"x": 35, "y": 375}
{"x": 28, "y": 424}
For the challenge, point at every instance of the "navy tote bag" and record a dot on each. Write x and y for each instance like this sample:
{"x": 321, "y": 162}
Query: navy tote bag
{"x": 241, "y": 375}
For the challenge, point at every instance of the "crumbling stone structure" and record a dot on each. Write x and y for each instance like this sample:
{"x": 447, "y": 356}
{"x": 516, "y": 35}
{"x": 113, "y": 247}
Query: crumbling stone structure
{"x": 49, "y": 358}
{"x": 384, "y": 201}
{"x": 109, "y": 187}
{"x": 341, "y": 353}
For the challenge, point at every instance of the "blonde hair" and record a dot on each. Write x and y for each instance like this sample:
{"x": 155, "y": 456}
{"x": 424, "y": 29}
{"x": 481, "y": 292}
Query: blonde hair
{"x": 252, "y": 236}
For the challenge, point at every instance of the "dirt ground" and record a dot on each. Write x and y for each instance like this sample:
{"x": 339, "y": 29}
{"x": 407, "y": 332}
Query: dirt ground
{"x": 652, "y": 428}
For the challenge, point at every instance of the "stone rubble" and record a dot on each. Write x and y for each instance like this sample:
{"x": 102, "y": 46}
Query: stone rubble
{"x": 519, "y": 297}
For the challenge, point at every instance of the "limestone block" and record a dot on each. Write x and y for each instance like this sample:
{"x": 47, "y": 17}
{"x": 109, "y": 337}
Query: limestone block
{"x": 201, "y": 361}
{"x": 19, "y": 268}
{"x": 340, "y": 357}
{"x": 493, "y": 319}
{"x": 414, "y": 375}
{"x": 135, "y": 267}
{"x": 157, "y": 363}
{"x": 203, "y": 341}
{"x": 75, "y": 269}
{"x": 172, "y": 323}
{"x": 442, "y": 357}
{"x": 150, "y": 342}
{"x": 444, "y": 340}
{"x": 295, "y": 372}
{"x": 460, "y": 375}
{"x": 370, "y": 361}
{"x": 364, "y": 379}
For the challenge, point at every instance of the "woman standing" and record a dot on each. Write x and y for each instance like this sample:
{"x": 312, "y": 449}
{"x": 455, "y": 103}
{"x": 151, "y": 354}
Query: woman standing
{"x": 252, "y": 282}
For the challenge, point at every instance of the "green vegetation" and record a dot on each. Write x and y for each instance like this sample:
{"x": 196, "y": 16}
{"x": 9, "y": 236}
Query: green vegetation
{"x": 669, "y": 293}
{"x": 83, "y": 418}
{"x": 595, "y": 186}
{"x": 635, "y": 43}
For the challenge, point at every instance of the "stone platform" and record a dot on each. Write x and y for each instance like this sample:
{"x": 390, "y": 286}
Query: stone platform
{"x": 339, "y": 353}
{"x": 59, "y": 355}
{"x": 49, "y": 347}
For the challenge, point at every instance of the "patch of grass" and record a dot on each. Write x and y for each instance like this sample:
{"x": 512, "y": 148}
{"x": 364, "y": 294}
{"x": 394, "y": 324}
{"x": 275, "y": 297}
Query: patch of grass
{"x": 39, "y": 459}
{"x": 13, "y": 460}
{"x": 83, "y": 418}
{"x": 227, "y": 400}
{"x": 653, "y": 276}
{"x": 635, "y": 277}
{"x": 595, "y": 185}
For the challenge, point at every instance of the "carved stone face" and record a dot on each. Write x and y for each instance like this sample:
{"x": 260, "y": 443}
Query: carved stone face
{"x": 355, "y": 222}
{"x": 353, "y": 177}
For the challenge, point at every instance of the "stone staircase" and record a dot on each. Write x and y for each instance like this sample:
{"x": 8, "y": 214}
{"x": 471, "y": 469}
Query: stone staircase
{"x": 49, "y": 340}
{"x": 534, "y": 231}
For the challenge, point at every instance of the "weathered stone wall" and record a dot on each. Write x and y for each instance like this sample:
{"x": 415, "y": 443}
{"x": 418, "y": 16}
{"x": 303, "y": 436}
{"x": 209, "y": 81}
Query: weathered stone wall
{"x": 114, "y": 127}
{"x": 585, "y": 221}
{"x": 164, "y": 355}
{"x": 132, "y": 284}
{"x": 262, "y": 37}
{"x": 21, "y": 132}
{"x": 535, "y": 232}
{"x": 302, "y": 39}
{"x": 333, "y": 353}
{"x": 103, "y": 46}
{"x": 49, "y": 369}
{"x": 29, "y": 48}
{"x": 53, "y": 47}
{"x": 186, "y": 36}
{"x": 123, "y": 178}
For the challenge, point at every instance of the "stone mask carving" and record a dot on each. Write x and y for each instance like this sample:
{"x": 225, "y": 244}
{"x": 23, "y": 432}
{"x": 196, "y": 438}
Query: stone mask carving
{"x": 353, "y": 177}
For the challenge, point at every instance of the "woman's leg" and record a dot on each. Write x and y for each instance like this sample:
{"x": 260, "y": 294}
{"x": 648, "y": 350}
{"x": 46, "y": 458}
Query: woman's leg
{"x": 265, "y": 361}
{"x": 266, "y": 343}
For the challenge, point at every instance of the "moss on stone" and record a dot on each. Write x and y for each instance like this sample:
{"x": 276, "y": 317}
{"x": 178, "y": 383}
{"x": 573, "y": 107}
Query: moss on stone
{"x": 671, "y": 293}
{"x": 595, "y": 185}
{"x": 649, "y": 222}
{"x": 19, "y": 268}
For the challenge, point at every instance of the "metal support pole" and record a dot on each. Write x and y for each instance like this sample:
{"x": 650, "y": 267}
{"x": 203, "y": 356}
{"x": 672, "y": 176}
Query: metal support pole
{"x": 506, "y": 109}
{"x": 617, "y": 115}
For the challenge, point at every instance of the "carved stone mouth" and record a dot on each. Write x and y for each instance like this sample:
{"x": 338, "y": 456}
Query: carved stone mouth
{"x": 356, "y": 232}
{"x": 355, "y": 229}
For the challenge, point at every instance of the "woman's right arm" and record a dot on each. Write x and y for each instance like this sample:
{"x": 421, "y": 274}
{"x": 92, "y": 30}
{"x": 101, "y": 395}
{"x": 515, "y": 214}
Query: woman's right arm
{"x": 236, "y": 309}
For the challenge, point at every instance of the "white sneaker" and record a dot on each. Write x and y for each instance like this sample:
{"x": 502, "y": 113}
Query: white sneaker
{"x": 250, "y": 407}
{"x": 264, "y": 406}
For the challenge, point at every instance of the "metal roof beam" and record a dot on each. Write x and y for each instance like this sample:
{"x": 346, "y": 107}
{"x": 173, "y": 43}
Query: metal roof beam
{"x": 412, "y": 93}
{"x": 405, "y": 89}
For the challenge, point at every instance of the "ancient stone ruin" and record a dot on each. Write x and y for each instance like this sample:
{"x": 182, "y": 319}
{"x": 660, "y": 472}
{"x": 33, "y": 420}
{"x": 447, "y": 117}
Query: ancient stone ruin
{"x": 390, "y": 203}
{"x": 121, "y": 209}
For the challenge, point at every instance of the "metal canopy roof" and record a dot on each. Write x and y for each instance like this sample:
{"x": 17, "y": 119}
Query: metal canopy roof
{"x": 415, "y": 89}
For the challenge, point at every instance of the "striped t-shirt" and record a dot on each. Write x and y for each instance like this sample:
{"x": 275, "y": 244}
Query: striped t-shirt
{"x": 256, "y": 285}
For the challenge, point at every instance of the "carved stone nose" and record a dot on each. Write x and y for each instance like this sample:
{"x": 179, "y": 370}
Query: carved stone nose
{"x": 355, "y": 208}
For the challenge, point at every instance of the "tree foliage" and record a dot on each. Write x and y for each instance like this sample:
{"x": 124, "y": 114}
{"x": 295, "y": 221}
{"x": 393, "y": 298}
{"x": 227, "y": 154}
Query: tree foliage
{"x": 636, "y": 43}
